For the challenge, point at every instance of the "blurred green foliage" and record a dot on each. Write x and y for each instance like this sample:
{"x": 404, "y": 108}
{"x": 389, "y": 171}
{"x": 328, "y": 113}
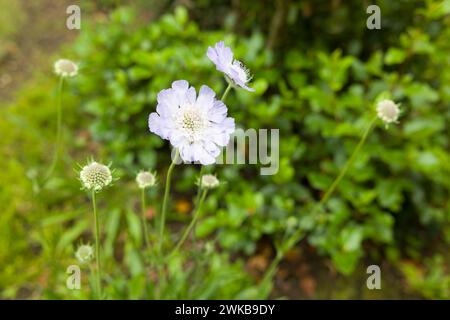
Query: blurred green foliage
{"x": 11, "y": 19}
{"x": 316, "y": 78}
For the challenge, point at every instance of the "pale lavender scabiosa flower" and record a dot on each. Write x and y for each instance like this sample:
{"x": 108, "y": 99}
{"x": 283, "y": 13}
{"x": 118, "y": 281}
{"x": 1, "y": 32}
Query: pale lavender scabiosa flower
{"x": 234, "y": 70}
{"x": 197, "y": 126}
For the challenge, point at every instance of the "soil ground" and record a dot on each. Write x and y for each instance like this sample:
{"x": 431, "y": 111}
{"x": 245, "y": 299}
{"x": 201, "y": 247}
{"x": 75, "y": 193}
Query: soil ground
{"x": 31, "y": 31}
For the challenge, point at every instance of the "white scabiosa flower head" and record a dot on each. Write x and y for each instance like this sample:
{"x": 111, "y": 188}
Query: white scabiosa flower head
{"x": 388, "y": 111}
{"x": 145, "y": 179}
{"x": 66, "y": 68}
{"x": 209, "y": 181}
{"x": 197, "y": 126}
{"x": 95, "y": 176}
{"x": 84, "y": 253}
{"x": 234, "y": 70}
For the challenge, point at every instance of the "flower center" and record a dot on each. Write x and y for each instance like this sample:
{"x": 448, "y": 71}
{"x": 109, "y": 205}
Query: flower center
{"x": 389, "y": 111}
{"x": 191, "y": 121}
{"x": 67, "y": 66}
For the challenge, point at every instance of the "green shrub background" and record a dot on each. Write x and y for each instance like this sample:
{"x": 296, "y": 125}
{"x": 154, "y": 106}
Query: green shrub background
{"x": 317, "y": 71}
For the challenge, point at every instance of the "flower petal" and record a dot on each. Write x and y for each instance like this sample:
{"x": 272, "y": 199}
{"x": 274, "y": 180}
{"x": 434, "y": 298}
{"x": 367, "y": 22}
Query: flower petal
{"x": 218, "y": 112}
{"x": 205, "y": 98}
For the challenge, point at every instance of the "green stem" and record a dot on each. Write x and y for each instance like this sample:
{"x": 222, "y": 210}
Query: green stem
{"x": 227, "y": 90}
{"x": 161, "y": 279}
{"x": 97, "y": 246}
{"x": 165, "y": 199}
{"x": 272, "y": 268}
{"x": 292, "y": 240}
{"x": 347, "y": 165}
{"x": 199, "y": 190}
{"x": 58, "y": 128}
{"x": 144, "y": 222}
{"x": 193, "y": 222}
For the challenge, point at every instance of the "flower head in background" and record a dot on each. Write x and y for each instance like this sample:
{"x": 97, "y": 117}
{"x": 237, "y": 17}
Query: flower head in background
{"x": 234, "y": 70}
{"x": 66, "y": 68}
{"x": 209, "y": 181}
{"x": 84, "y": 253}
{"x": 388, "y": 111}
{"x": 145, "y": 179}
{"x": 197, "y": 126}
{"x": 95, "y": 176}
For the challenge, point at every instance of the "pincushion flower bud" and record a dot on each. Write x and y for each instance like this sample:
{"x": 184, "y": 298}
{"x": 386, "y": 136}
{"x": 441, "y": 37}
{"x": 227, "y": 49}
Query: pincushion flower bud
{"x": 145, "y": 179}
{"x": 209, "y": 181}
{"x": 95, "y": 176}
{"x": 388, "y": 111}
{"x": 66, "y": 68}
{"x": 85, "y": 253}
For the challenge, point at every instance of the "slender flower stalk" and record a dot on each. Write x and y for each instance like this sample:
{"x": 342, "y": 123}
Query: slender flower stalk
{"x": 199, "y": 192}
{"x": 144, "y": 180}
{"x": 95, "y": 177}
{"x": 289, "y": 242}
{"x": 64, "y": 68}
{"x": 97, "y": 247}
{"x": 58, "y": 128}
{"x": 199, "y": 188}
{"x": 227, "y": 90}
{"x": 144, "y": 220}
{"x": 347, "y": 165}
{"x": 193, "y": 222}
{"x": 165, "y": 200}
{"x": 205, "y": 183}
{"x": 160, "y": 266}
